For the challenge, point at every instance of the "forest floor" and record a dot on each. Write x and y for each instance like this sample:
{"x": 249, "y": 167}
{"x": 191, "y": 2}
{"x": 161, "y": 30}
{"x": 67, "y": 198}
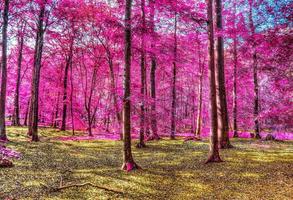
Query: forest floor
{"x": 171, "y": 169}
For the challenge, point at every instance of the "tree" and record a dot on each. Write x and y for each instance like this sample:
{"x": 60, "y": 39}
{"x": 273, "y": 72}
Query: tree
{"x": 91, "y": 112}
{"x": 214, "y": 155}
{"x": 199, "y": 107}
{"x": 109, "y": 56}
{"x": 174, "y": 74}
{"x": 16, "y": 120}
{"x": 56, "y": 112}
{"x": 223, "y": 124}
{"x": 255, "y": 74}
{"x": 235, "y": 62}
{"x": 128, "y": 161}
{"x": 34, "y": 114}
{"x": 4, "y": 72}
{"x": 154, "y": 125}
{"x": 141, "y": 143}
{"x": 65, "y": 82}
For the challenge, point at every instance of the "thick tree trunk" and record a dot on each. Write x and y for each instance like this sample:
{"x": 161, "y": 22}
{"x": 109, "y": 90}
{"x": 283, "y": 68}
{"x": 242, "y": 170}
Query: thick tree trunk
{"x": 128, "y": 162}
{"x": 214, "y": 155}
{"x": 255, "y": 76}
{"x": 141, "y": 143}
{"x": 36, "y": 76}
{"x": 174, "y": 76}
{"x": 15, "y": 120}
{"x": 3, "y": 135}
{"x": 223, "y": 123}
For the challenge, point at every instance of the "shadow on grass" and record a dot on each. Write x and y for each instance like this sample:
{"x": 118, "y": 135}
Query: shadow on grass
{"x": 172, "y": 169}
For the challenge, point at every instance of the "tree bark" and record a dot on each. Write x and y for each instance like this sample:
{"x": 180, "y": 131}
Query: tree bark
{"x": 30, "y": 113}
{"x": 3, "y": 135}
{"x": 15, "y": 120}
{"x": 174, "y": 76}
{"x": 235, "y": 127}
{"x": 235, "y": 59}
{"x": 214, "y": 155}
{"x": 223, "y": 123}
{"x": 256, "y": 99}
{"x": 141, "y": 143}
{"x": 88, "y": 104}
{"x": 64, "y": 110}
{"x": 255, "y": 76}
{"x": 56, "y": 113}
{"x": 199, "y": 107}
{"x": 115, "y": 99}
{"x": 128, "y": 161}
{"x": 27, "y": 113}
{"x": 65, "y": 80}
{"x": 71, "y": 99}
{"x": 154, "y": 127}
{"x": 33, "y": 129}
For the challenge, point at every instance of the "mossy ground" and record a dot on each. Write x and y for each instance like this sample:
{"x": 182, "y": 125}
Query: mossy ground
{"x": 170, "y": 170}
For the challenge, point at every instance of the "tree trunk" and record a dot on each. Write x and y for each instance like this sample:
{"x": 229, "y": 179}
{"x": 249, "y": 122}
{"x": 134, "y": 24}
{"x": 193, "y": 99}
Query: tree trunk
{"x": 36, "y": 76}
{"x": 235, "y": 128}
{"x": 3, "y": 135}
{"x": 67, "y": 65}
{"x": 235, "y": 56}
{"x": 56, "y": 113}
{"x": 141, "y": 143}
{"x": 71, "y": 99}
{"x": 30, "y": 114}
{"x": 256, "y": 98}
{"x": 89, "y": 123}
{"x": 214, "y": 155}
{"x": 154, "y": 127}
{"x": 115, "y": 99}
{"x": 223, "y": 124}
{"x": 27, "y": 113}
{"x": 15, "y": 120}
{"x": 90, "y": 114}
{"x": 199, "y": 107}
{"x": 173, "y": 108}
{"x": 255, "y": 76}
{"x": 64, "y": 110}
{"x": 128, "y": 162}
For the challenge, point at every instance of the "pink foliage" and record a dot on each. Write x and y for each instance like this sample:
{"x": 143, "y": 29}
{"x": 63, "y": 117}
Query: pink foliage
{"x": 8, "y": 153}
{"x": 93, "y": 32}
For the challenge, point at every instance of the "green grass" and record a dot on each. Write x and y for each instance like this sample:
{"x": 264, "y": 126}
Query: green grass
{"x": 171, "y": 170}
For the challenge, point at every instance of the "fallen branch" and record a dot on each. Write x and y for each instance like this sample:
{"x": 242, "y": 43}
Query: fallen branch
{"x": 87, "y": 184}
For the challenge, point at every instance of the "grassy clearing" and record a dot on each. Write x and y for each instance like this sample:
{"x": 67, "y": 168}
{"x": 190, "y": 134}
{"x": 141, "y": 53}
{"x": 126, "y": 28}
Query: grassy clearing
{"x": 171, "y": 170}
